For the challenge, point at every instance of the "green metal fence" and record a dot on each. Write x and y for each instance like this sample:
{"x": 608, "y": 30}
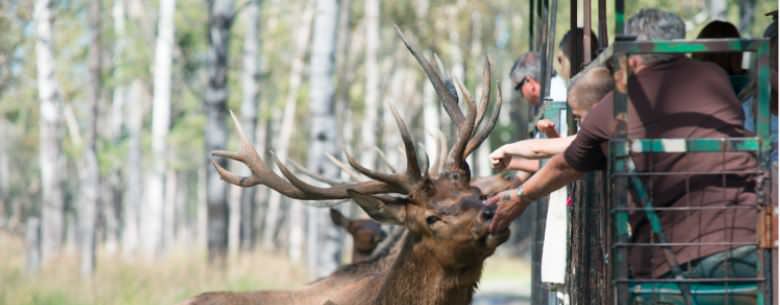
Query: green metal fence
{"x": 624, "y": 179}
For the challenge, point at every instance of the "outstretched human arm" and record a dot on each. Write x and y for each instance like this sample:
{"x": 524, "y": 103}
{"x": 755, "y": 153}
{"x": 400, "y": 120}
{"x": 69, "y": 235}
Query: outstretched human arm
{"x": 511, "y": 203}
{"x": 530, "y": 149}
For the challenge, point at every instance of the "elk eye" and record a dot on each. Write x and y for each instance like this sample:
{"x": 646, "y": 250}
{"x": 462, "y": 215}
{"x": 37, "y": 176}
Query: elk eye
{"x": 431, "y": 219}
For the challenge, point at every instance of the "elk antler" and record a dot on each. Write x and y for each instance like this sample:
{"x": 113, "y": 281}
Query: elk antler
{"x": 467, "y": 140}
{"x": 441, "y": 152}
{"x": 413, "y": 174}
{"x": 292, "y": 186}
{"x": 382, "y": 183}
{"x": 449, "y": 101}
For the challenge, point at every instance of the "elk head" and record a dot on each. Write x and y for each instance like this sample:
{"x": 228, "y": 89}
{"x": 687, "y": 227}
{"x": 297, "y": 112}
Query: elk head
{"x": 366, "y": 234}
{"x": 443, "y": 212}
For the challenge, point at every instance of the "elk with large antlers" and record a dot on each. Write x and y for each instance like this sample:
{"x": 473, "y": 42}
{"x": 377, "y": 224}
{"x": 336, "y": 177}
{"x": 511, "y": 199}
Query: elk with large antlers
{"x": 439, "y": 259}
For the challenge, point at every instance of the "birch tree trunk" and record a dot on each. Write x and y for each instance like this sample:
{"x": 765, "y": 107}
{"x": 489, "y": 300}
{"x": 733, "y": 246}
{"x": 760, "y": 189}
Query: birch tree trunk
{"x": 717, "y": 9}
{"x": 249, "y": 111}
{"x": 747, "y": 9}
{"x": 324, "y": 251}
{"x": 161, "y": 117}
{"x": 286, "y": 127}
{"x": 51, "y": 157}
{"x": 133, "y": 197}
{"x": 88, "y": 170}
{"x": 368, "y": 130}
{"x": 480, "y": 161}
{"x": 220, "y": 19}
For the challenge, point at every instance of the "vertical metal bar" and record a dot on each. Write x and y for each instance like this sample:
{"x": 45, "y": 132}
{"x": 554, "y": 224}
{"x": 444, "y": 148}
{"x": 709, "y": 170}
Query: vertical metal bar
{"x": 619, "y": 195}
{"x": 619, "y": 17}
{"x": 538, "y": 294}
{"x": 548, "y": 48}
{"x": 531, "y": 28}
{"x": 603, "y": 38}
{"x": 762, "y": 129}
{"x": 586, "y": 43}
{"x": 575, "y": 47}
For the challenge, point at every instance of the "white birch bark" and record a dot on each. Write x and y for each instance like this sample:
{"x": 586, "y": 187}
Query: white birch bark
{"x": 220, "y": 20}
{"x": 368, "y": 130}
{"x": 324, "y": 240}
{"x": 133, "y": 196}
{"x": 250, "y": 84}
{"x": 161, "y": 116}
{"x": 51, "y": 157}
{"x": 286, "y": 127}
{"x": 88, "y": 169}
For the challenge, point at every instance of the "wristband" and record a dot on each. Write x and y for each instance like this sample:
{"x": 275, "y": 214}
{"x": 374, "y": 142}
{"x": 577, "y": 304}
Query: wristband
{"x": 519, "y": 192}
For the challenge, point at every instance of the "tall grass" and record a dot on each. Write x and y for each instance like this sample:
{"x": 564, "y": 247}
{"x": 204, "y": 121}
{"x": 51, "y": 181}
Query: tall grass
{"x": 131, "y": 281}
{"x": 169, "y": 280}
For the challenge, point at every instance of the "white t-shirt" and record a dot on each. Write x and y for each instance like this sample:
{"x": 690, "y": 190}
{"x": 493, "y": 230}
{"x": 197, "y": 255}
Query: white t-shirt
{"x": 557, "y": 88}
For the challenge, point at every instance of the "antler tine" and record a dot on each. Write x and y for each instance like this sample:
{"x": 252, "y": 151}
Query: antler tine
{"x": 313, "y": 175}
{"x": 456, "y": 155}
{"x": 338, "y": 191}
{"x": 441, "y": 152}
{"x": 485, "y": 130}
{"x": 385, "y": 161}
{"x": 389, "y": 178}
{"x": 292, "y": 186}
{"x": 450, "y": 103}
{"x": 426, "y": 159}
{"x": 412, "y": 166}
{"x": 487, "y": 87}
{"x": 248, "y": 155}
{"x": 351, "y": 172}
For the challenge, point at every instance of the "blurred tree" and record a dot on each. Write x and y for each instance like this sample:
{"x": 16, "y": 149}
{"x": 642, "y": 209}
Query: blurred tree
{"x": 250, "y": 84}
{"x": 282, "y": 143}
{"x": 220, "y": 19}
{"x": 161, "y": 117}
{"x": 89, "y": 173}
{"x": 747, "y": 9}
{"x": 324, "y": 240}
{"x": 371, "y": 110}
{"x": 51, "y": 157}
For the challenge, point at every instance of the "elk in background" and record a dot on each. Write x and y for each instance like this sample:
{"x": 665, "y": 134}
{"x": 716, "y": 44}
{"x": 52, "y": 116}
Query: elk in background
{"x": 439, "y": 258}
{"x": 366, "y": 234}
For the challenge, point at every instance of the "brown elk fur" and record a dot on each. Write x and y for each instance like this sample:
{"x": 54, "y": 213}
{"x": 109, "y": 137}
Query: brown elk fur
{"x": 366, "y": 234}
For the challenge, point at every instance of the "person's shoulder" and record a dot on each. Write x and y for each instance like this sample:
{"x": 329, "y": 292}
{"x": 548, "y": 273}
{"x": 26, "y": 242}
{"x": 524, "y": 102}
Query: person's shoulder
{"x": 703, "y": 67}
{"x": 600, "y": 118}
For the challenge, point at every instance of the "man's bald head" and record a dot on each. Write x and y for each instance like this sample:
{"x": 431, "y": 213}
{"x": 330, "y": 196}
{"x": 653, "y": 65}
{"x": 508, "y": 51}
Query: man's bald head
{"x": 587, "y": 88}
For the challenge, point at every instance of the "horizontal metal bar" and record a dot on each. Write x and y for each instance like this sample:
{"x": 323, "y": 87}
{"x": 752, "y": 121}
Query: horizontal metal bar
{"x": 683, "y": 244}
{"x": 624, "y": 147}
{"x": 688, "y": 46}
{"x": 694, "y": 280}
{"x": 683, "y": 209}
{"x": 698, "y": 174}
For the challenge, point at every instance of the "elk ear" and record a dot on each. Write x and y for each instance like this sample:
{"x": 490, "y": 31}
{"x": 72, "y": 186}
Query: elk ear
{"x": 338, "y": 218}
{"x": 380, "y": 210}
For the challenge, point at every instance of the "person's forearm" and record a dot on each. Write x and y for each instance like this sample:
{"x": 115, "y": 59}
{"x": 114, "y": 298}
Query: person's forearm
{"x": 554, "y": 175}
{"x": 525, "y": 165}
{"x": 539, "y": 148}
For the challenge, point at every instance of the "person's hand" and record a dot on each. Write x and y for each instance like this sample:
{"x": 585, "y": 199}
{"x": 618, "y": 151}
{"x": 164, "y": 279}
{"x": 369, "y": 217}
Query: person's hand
{"x": 510, "y": 206}
{"x": 547, "y": 127}
{"x": 499, "y": 159}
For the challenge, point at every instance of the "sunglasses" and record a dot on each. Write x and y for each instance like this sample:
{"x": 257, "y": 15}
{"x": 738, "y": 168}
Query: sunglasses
{"x": 519, "y": 85}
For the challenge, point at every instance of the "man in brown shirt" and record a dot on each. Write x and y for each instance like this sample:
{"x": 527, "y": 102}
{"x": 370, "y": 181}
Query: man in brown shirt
{"x": 670, "y": 97}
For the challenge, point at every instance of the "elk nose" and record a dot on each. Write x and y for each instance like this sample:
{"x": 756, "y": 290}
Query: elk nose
{"x": 488, "y": 212}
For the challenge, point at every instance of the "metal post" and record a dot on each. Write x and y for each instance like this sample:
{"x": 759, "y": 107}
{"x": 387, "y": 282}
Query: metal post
{"x": 603, "y": 36}
{"x": 586, "y": 33}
